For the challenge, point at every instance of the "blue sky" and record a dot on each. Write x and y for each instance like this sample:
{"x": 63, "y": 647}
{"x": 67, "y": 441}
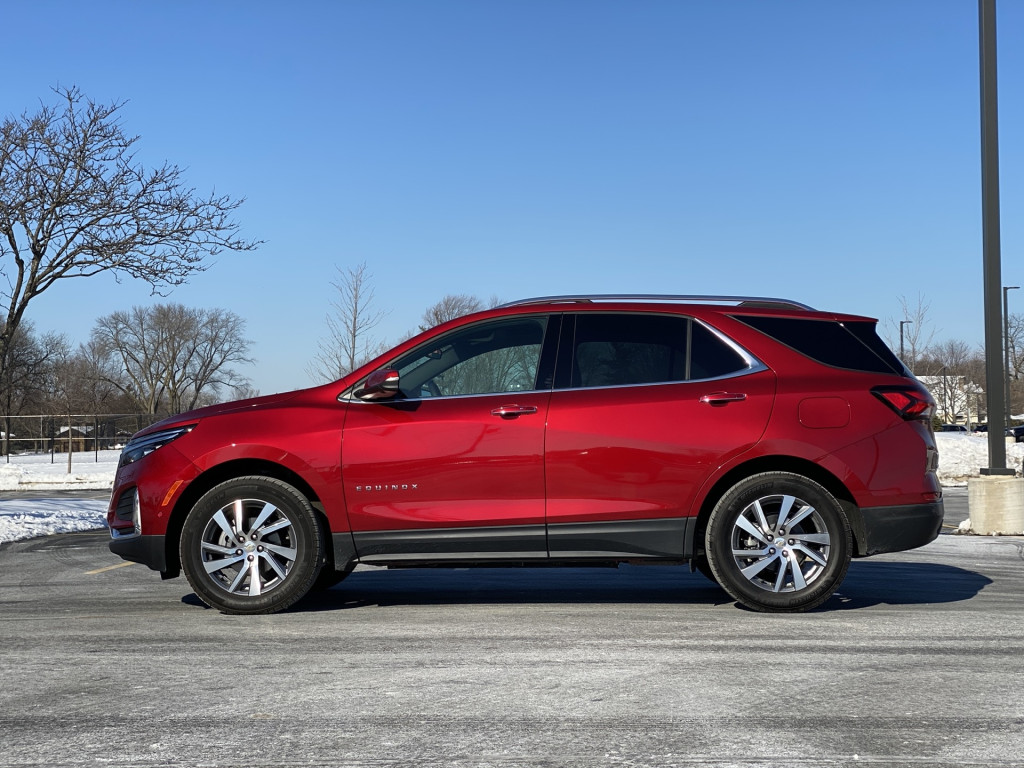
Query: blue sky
{"x": 827, "y": 152}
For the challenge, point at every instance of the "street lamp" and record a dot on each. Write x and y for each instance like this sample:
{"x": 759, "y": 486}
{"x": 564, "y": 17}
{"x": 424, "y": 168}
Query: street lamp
{"x": 1006, "y": 349}
{"x": 945, "y": 396}
{"x": 902, "y": 323}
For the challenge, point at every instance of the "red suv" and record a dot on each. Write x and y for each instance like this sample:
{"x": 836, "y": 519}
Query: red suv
{"x": 762, "y": 442}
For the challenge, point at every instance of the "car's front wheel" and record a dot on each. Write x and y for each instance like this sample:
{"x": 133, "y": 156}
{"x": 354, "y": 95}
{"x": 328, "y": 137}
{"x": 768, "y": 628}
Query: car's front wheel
{"x": 251, "y": 545}
{"x": 779, "y": 542}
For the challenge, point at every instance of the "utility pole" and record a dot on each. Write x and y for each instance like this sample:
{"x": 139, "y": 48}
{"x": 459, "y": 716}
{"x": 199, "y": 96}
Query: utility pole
{"x": 991, "y": 253}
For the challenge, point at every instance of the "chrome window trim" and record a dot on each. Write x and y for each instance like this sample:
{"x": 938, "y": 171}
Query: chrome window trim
{"x": 753, "y": 365}
{"x": 348, "y": 394}
{"x": 734, "y": 375}
{"x": 393, "y": 401}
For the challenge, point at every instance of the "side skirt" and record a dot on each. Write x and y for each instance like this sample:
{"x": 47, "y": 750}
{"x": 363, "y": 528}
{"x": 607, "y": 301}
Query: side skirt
{"x": 667, "y": 540}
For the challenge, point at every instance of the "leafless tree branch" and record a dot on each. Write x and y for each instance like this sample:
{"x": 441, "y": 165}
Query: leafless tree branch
{"x": 75, "y": 203}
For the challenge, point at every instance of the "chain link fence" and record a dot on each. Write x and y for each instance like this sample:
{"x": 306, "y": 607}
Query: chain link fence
{"x": 82, "y": 433}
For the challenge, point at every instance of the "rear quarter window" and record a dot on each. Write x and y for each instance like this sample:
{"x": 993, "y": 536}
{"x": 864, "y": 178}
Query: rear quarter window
{"x": 851, "y": 345}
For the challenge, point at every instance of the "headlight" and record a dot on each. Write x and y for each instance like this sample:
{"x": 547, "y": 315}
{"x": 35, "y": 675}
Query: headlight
{"x": 139, "y": 447}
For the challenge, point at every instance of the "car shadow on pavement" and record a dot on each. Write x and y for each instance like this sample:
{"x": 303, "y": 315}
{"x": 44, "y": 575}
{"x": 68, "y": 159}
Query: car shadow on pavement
{"x": 467, "y": 586}
{"x": 867, "y": 583}
{"x": 874, "y": 582}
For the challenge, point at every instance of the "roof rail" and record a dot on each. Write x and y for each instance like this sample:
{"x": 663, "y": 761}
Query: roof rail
{"x": 740, "y": 301}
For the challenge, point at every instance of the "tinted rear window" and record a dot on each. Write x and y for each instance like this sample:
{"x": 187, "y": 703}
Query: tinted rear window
{"x": 851, "y": 345}
{"x": 622, "y": 349}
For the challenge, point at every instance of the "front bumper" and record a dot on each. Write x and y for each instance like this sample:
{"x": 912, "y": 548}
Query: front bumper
{"x": 149, "y": 550}
{"x": 898, "y": 528}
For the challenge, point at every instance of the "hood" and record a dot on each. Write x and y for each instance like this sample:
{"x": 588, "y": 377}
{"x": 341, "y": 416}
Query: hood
{"x": 219, "y": 409}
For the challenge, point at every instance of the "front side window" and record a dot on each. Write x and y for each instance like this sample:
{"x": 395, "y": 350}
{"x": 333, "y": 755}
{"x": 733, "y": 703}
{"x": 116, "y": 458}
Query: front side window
{"x": 489, "y": 357}
{"x": 623, "y": 349}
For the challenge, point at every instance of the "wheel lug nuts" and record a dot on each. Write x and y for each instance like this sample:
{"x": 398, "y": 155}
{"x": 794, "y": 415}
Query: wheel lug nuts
{"x": 784, "y": 554}
{"x": 792, "y": 542}
{"x": 771, "y": 551}
{"x": 250, "y": 558}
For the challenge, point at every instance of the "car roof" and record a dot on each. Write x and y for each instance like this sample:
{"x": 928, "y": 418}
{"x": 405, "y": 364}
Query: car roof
{"x": 655, "y": 298}
{"x": 737, "y": 305}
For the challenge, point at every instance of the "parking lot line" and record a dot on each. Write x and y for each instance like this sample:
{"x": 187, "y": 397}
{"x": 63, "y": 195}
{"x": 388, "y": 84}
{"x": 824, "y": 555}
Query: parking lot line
{"x": 108, "y": 568}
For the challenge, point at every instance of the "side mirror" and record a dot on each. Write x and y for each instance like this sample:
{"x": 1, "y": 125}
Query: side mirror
{"x": 379, "y": 385}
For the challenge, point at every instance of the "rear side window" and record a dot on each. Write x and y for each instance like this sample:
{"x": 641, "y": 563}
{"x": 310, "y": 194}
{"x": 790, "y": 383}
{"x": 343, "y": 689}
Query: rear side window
{"x": 852, "y": 345}
{"x": 621, "y": 349}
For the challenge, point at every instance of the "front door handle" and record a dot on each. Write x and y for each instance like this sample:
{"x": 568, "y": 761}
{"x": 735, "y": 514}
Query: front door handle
{"x": 721, "y": 398}
{"x": 513, "y": 411}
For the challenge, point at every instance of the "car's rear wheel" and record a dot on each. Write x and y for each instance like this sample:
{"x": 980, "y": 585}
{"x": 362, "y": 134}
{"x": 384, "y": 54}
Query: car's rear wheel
{"x": 778, "y": 542}
{"x": 251, "y": 545}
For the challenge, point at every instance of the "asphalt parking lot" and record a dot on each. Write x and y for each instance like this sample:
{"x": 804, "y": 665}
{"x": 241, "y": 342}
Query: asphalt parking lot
{"x": 918, "y": 660}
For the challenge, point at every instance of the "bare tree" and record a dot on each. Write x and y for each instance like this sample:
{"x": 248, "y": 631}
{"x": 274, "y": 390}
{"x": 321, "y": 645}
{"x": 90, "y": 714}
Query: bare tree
{"x": 24, "y": 381}
{"x": 450, "y": 307}
{"x": 99, "y": 385}
{"x": 948, "y": 370}
{"x": 1015, "y": 345}
{"x": 171, "y": 356}
{"x": 917, "y": 333}
{"x": 74, "y": 203}
{"x": 953, "y": 356}
{"x": 244, "y": 391}
{"x": 62, "y": 396}
{"x": 352, "y": 317}
{"x": 1015, "y": 340}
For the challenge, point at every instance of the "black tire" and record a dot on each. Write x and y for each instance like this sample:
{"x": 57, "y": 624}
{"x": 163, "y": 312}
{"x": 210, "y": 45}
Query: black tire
{"x": 795, "y": 566}
{"x": 700, "y": 564}
{"x": 252, "y": 545}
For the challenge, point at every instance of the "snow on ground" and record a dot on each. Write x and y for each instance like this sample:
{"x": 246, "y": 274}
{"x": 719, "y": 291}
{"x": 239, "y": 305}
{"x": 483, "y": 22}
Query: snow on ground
{"x": 960, "y": 457}
{"x": 22, "y": 518}
{"x": 45, "y": 473}
{"x": 28, "y": 518}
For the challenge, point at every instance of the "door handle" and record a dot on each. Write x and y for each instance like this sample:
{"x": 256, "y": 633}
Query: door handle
{"x": 721, "y": 398}
{"x": 513, "y": 411}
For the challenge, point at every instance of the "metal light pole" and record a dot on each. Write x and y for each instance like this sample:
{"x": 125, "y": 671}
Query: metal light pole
{"x": 991, "y": 252}
{"x": 903, "y": 358}
{"x": 945, "y": 396}
{"x": 1006, "y": 348}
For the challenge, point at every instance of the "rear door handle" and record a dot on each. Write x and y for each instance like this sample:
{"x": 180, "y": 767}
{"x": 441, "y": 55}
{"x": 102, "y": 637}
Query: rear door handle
{"x": 721, "y": 398}
{"x": 513, "y": 411}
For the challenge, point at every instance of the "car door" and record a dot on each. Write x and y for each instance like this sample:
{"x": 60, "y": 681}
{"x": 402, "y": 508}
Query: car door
{"x": 453, "y": 466}
{"x": 645, "y": 407}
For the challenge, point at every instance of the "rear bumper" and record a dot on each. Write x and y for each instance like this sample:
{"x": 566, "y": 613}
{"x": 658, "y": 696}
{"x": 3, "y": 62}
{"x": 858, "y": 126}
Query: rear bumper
{"x": 895, "y": 529}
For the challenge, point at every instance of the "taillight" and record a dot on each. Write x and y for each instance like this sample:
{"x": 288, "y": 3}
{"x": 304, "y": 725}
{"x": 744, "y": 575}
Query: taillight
{"x": 910, "y": 403}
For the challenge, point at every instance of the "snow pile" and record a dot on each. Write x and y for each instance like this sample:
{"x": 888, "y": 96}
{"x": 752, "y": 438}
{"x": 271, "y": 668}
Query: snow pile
{"x": 50, "y": 473}
{"x": 961, "y": 456}
{"x": 28, "y": 518}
